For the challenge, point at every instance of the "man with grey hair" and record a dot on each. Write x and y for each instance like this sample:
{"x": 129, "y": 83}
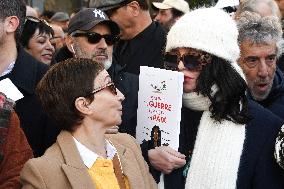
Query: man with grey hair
{"x": 261, "y": 43}
{"x": 262, "y": 7}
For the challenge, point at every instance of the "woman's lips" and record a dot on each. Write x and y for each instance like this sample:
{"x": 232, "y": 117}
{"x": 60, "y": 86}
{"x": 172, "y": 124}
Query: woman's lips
{"x": 187, "y": 78}
{"x": 47, "y": 56}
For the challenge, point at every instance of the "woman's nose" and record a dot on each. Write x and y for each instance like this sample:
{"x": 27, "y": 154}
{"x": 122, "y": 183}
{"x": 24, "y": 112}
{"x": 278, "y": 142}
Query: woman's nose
{"x": 50, "y": 46}
{"x": 181, "y": 65}
{"x": 120, "y": 95}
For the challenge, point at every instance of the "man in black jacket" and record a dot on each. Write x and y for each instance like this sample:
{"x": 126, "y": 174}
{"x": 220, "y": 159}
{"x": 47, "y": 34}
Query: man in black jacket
{"x": 261, "y": 42}
{"x": 142, "y": 40}
{"x": 25, "y": 72}
{"x": 92, "y": 35}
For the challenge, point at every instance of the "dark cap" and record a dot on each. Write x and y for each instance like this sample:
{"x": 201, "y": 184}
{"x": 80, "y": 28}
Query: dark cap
{"x": 106, "y": 4}
{"x": 60, "y": 16}
{"x": 88, "y": 18}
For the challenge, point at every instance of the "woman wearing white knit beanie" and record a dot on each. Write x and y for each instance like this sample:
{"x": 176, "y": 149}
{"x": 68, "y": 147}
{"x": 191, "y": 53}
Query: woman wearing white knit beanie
{"x": 227, "y": 140}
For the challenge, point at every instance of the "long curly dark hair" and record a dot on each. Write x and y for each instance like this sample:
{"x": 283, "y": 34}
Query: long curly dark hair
{"x": 230, "y": 101}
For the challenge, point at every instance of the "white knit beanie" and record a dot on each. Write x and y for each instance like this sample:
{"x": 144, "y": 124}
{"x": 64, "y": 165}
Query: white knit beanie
{"x": 208, "y": 29}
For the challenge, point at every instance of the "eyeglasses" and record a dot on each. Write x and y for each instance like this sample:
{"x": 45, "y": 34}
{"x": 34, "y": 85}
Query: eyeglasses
{"x": 110, "y": 86}
{"x": 94, "y": 38}
{"x": 36, "y": 20}
{"x": 193, "y": 61}
{"x": 253, "y": 61}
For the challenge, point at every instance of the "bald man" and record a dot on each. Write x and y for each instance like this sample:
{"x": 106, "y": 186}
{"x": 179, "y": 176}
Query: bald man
{"x": 59, "y": 37}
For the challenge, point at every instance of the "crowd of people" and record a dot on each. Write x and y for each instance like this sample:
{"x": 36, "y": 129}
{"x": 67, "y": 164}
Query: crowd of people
{"x": 75, "y": 126}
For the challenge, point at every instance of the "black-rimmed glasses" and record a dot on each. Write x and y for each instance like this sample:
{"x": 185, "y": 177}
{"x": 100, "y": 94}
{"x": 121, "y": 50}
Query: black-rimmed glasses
{"x": 94, "y": 38}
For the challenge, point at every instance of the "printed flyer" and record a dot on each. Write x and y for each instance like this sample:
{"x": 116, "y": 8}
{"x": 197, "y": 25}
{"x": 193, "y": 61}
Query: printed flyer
{"x": 159, "y": 106}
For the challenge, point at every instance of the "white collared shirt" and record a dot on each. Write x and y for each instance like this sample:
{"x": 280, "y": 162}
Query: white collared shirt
{"x": 89, "y": 157}
{"x": 9, "y": 69}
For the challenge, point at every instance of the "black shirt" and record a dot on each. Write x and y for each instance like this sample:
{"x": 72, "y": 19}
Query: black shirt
{"x": 145, "y": 49}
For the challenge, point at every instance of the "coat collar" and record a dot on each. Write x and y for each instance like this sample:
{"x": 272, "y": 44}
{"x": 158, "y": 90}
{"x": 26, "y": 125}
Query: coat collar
{"x": 77, "y": 173}
{"x": 24, "y": 73}
{"x": 129, "y": 166}
{"x": 74, "y": 167}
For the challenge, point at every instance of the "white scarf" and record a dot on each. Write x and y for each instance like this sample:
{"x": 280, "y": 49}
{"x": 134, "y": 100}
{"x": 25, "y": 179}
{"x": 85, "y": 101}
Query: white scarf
{"x": 217, "y": 151}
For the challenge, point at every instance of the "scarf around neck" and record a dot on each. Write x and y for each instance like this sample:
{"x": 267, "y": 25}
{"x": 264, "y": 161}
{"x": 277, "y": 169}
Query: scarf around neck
{"x": 217, "y": 151}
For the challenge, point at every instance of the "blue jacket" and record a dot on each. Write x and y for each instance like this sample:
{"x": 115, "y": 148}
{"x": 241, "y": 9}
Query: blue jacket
{"x": 275, "y": 100}
{"x": 258, "y": 168}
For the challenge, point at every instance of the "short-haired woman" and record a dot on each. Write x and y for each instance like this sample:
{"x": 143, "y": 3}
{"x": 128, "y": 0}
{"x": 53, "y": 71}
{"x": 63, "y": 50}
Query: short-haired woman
{"x": 36, "y": 39}
{"x": 80, "y": 96}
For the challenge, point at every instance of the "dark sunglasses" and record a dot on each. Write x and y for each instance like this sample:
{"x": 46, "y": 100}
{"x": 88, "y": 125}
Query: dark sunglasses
{"x": 94, "y": 38}
{"x": 109, "y": 86}
{"x": 192, "y": 62}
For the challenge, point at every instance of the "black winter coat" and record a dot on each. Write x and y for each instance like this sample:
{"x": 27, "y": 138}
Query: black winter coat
{"x": 40, "y": 131}
{"x": 128, "y": 84}
{"x": 257, "y": 168}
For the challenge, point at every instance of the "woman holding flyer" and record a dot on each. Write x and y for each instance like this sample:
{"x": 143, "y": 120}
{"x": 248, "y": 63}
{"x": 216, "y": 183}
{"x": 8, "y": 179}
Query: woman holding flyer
{"x": 226, "y": 141}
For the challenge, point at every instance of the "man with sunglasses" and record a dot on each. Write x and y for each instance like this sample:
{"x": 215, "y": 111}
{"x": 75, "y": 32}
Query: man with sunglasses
{"x": 261, "y": 44}
{"x": 142, "y": 40}
{"x": 25, "y": 72}
{"x": 92, "y": 35}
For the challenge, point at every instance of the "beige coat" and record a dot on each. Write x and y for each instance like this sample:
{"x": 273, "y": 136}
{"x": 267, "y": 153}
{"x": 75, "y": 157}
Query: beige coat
{"x": 62, "y": 167}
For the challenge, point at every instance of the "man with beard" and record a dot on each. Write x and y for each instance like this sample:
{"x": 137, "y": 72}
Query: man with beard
{"x": 261, "y": 42}
{"x": 142, "y": 39}
{"x": 169, "y": 11}
{"x": 92, "y": 35}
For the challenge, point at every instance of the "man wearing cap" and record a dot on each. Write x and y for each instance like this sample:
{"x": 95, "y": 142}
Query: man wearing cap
{"x": 61, "y": 19}
{"x": 142, "y": 40}
{"x": 170, "y": 11}
{"x": 92, "y": 35}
